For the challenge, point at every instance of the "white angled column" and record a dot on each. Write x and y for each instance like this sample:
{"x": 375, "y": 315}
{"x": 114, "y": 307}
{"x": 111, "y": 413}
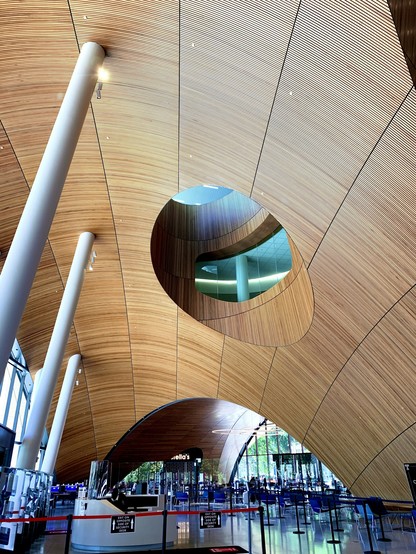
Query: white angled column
{"x": 32, "y": 232}
{"x": 38, "y": 414}
{"x": 35, "y": 387}
{"x": 61, "y": 412}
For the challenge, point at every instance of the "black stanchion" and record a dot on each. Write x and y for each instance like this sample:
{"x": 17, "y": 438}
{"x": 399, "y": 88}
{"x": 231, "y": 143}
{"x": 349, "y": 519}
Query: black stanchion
{"x": 371, "y": 551}
{"x": 383, "y": 538}
{"x": 164, "y": 528}
{"x": 251, "y": 498}
{"x": 337, "y": 528}
{"x": 231, "y": 502}
{"x": 305, "y": 521}
{"x": 298, "y": 531}
{"x": 268, "y": 511}
{"x": 280, "y": 516}
{"x": 263, "y": 538}
{"x": 377, "y": 507}
{"x": 333, "y": 540}
{"x": 68, "y": 533}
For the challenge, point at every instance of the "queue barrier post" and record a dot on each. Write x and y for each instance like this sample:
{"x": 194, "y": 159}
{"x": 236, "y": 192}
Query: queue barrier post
{"x": 68, "y": 532}
{"x": 263, "y": 538}
{"x": 164, "y": 529}
{"x": 337, "y": 528}
{"x": 298, "y": 531}
{"x": 333, "y": 540}
{"x": 281, "y": 516}
{"x": 371, "y": 551}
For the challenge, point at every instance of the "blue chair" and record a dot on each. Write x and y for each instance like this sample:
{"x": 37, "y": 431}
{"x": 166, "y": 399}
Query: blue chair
{"x": 380, "y": 512}
{"x": 408, "y": 516}
{"x": 203, "y": 498}
{"x": 181, "y": 498}
{"x": 219, "y": 497}
{"x": 317, "y": 506}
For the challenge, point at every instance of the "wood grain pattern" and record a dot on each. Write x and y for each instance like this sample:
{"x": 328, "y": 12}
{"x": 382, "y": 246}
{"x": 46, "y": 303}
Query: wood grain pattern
{"x": 306, "y": 107}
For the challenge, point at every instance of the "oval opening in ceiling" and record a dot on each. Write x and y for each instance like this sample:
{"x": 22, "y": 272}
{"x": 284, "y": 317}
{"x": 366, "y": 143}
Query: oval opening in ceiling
{"x": 249, "y": 271}
{"x": 227, "y": 262}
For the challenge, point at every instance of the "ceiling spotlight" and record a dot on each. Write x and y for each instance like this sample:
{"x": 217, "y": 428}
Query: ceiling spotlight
{"x": 103, "y": 75}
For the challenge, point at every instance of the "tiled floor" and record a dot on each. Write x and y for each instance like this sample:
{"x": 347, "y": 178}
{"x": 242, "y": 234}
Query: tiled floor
{"x": 279, "y": 536}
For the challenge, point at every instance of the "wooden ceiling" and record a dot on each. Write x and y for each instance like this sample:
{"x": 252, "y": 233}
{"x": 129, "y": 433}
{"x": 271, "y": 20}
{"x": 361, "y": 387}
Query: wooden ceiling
{"x": 307, "y": 107}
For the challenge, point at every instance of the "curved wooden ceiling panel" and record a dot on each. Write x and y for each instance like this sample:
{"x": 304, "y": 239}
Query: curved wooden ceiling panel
{"x": 141, "y": 442}
{"x": 374, "y": 382}
{"x": 228, "y": 87}
{"x": 395, "y": 454}
{"x": 308, "y": 107}
{"x": 335, "y": 98}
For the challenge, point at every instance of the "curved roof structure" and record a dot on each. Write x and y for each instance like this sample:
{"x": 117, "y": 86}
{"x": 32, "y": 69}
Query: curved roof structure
{"x": 308, "y": 108}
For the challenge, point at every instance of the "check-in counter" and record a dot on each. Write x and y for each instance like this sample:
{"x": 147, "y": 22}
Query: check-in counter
{"x": 123, "y": 531}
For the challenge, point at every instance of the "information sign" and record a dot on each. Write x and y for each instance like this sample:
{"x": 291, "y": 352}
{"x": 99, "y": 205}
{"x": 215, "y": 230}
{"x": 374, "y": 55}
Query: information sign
{"x": 209, "y": 520}
{"x": 122, "y": 524}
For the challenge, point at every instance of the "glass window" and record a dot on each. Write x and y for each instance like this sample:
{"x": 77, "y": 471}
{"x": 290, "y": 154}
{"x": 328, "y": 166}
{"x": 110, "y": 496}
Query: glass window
{"x": 247, "y": 274}
{"x": 273, "y": 455}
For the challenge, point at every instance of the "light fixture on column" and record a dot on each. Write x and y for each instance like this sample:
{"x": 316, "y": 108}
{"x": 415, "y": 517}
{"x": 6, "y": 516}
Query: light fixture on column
{"x": 102, "y": 77}
{"x": 92, "y": 260}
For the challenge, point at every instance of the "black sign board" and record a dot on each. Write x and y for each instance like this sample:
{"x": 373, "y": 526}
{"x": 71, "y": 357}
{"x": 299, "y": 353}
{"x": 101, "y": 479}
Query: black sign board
{"x": 122, "y": 524}
{"x": 411, "y": 477}
{"x": 209, "y": 520}
{"x": 302, "y": 457}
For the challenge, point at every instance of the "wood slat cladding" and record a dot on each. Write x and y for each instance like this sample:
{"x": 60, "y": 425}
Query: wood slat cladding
{"x": 396, "y": 453}
{"x": 391, "y": 382}
{"x": 404, "y": 17}
{"x": 336, "y": 96}
{"x": 141, "y": 443}
{"x": 228, "y": 87}
{"x": 13, "y": 192}
{"x": 306, "y": 107}
{"x": 212, "y": 221}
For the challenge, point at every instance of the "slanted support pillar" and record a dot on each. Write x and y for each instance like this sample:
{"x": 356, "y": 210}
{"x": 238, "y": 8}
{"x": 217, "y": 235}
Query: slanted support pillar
{"x": 32, "y": 232}
{"x": 38, "y": 414}
{"x": 61, "y": 412}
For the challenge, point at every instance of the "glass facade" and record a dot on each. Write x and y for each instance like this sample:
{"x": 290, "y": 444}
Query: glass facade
{"x": 273, "y": 455}
{"x": 15, "y": 393}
